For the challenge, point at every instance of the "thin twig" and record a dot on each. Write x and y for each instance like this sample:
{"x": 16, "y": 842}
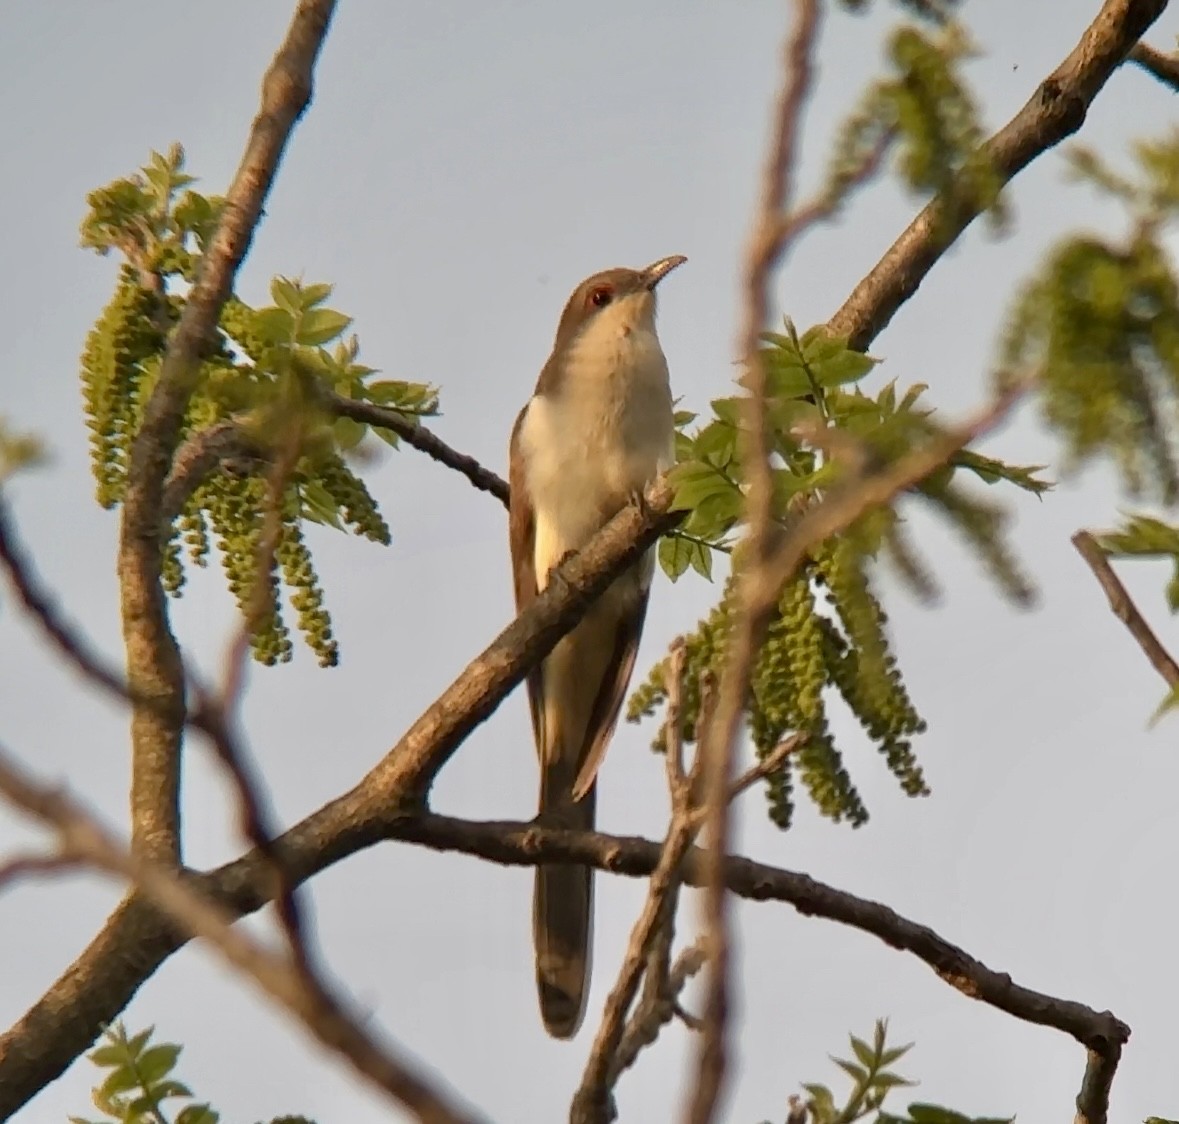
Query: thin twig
{"x": 1163, "y": 66}
{"x": 658, "y": 1007}
{"x": 36, "y": 863}
{"x": 322, "y": 1013}
{"x": 768, "y": 765}
{"x": 198, "y": 456}
{"x": 1124, "y": 608}
{"x": 422, "y": 439}
{"x": 650, "y": 938}
{"x": 41, "y": 606}
{"x": 769, "y": 241}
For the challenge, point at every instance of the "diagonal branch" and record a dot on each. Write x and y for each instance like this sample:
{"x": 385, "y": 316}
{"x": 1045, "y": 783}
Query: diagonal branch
{"x": 771, "y": 236}
{"x": 422, "y": 439}
{"x": 1163, "y": 66}
{"x": 82, "y": 837}
{"x": 1055, "y": 111}
{"x": 1124, "y": 608}
{"x": 154, "y": 667}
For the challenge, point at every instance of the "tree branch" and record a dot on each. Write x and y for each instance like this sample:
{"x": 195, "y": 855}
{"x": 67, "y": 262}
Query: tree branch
{"x": 302, "y": 994}
{"x": 422, "y": 439}
{"x": 196, "y": 459}
{"x": 134, "y": 942}
{"x": 138, "y": 938}
{"x": 1163, "y": 66}
{"x": 1055, "y": 111}
{"x": 154, "y": 667}
{"x": 770, "y": 238}
{"x": 1124, "y": 608}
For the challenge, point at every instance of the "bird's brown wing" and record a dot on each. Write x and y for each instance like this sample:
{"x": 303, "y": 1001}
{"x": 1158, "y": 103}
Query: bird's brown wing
{"x": 627, "y": 629}
{"x": 522, "y": 539}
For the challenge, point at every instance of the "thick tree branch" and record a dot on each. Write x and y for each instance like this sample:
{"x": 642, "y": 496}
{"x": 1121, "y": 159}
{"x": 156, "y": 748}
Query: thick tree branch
{"x": 1163, "y": 66}
{"x": 138, "y": 938}
{"x": 381, "y": 417}
{"x": 303, "y": 995}
{"x": 154, "y": 667}
{"x": 92, "y": 990}
{"x": 1055, "y": 111}
{"x": 1124, "y": 608}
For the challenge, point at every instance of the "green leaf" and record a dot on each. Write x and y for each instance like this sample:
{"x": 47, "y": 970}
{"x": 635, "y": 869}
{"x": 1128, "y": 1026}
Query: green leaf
{"x": 274, "y": 325}
{"x": 348, "y": 433}
{"x": 863, "y": 1052}
{"x": 936, "y": 1114}
{"x": 991, "y": 471}
{"x": 1169, "y": 703}
{"x": 157, "y": 1062}
{"x": 822, "y": 1100}
{"x": 890, "y": 1056}
{"x": 321, "y": 325}
{"x": 318, "y": 505}
{"x": 702, "y": 561}
{"x": 311, "y": 295}
{"x": 197, "y": 1114}
{"x": 285, "y": 294}
{"x": 107, "y": 1056}
{"x": 890, "y": 1081}
{"x": 857, "y": 1073}
{"x": 683, "y": 417}
{"x": 119, "y": 1081}
{"x": 674, "y": 556}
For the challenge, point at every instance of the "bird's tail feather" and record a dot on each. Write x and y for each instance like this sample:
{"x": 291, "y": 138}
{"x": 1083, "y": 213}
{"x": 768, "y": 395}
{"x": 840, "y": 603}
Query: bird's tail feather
{"x": 563, "y": 909}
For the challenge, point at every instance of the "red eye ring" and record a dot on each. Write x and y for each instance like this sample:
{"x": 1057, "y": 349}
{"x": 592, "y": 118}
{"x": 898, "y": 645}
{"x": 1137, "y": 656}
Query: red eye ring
{"x": 601, "y": 296}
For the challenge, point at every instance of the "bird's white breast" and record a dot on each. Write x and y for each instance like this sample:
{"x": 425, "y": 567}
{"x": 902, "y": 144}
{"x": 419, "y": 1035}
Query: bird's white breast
{"x": 603, "y": 434}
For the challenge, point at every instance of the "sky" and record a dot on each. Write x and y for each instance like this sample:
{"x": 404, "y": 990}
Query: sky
{"x": 462, "y": 167}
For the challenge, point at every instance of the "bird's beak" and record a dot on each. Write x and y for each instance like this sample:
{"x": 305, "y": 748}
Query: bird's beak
{"x": 657, "y": 271}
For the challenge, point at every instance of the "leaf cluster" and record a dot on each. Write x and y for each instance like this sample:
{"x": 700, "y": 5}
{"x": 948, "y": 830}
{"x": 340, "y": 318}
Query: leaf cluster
{"x": 828, "y": 635}
{"x": 925, "y": 105}
{"x": 1099, "y": 321}
{"x": 141, "y": 1081}
{"x": 266, "y": 373}
{"x": 872, "y": 1080}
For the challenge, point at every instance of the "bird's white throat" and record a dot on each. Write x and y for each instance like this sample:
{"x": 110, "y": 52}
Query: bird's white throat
{"x": 602, "y": 434}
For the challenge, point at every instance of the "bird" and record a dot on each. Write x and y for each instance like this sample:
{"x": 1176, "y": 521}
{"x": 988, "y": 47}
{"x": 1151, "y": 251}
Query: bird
{"x": 597, "y": 430}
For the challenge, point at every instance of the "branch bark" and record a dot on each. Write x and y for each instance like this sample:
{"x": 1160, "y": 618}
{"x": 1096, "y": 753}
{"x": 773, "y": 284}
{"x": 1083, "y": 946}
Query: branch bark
{"x": 139, "y": 938}
{"x": 1055, "y": 111}
{"x": 422, "y": 439}
{"x": 154, "y": 668}
{"x": 1123, "y": 607}
{"x": 284, "y": 979}
{"x": 1163, "y": 66}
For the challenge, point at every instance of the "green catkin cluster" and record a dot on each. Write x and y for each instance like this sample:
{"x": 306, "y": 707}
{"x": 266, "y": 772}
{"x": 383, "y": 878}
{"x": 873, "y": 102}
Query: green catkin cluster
{"x": 982, "y": 527}
{"x": 356, "y": 503}
{"x": 862, "y": 666}
{"x": 307, "y": 595}
{"x": 803, "y": 654}
{"x": 788, "y": 682}
{"x": 236, "y": 511}
{"x": 257, "y": 379}
{"x": 112, "y": 365}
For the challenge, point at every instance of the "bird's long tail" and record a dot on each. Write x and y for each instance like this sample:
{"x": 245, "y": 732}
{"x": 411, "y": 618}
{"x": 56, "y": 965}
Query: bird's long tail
{"x": 563, "y": 909}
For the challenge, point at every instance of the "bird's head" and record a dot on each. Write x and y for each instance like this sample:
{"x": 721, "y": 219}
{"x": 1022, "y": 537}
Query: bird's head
{"x": 619, "y": 300}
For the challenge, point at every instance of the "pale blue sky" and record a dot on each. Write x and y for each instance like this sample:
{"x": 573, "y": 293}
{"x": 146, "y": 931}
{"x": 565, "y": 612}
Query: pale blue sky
{"x": 462, "y": 167}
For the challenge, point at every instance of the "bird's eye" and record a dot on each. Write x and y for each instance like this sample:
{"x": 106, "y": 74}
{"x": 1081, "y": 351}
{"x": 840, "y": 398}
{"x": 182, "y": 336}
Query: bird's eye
{"x": 601, "y": 296}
